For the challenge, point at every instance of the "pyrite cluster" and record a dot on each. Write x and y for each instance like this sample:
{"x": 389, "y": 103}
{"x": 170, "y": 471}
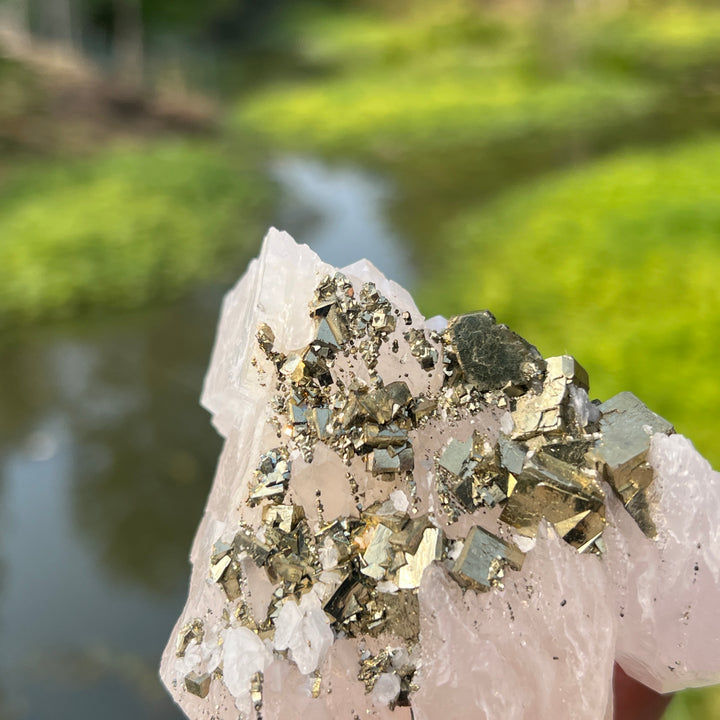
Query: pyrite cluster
{"x": 548, "y": 465}
{"x": 389, "y": 483}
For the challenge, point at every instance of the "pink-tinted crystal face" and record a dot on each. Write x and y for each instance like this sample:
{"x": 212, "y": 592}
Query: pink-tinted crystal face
{"x": 430, "y": 518}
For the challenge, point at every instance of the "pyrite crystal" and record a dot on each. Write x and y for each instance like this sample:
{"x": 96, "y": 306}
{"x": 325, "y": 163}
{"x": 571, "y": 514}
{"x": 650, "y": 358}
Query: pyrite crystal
{"x": 430, "y": 518}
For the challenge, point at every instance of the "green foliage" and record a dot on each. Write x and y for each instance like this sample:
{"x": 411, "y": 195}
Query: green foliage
{"x": 616, "y": 263}
{"x": 672, "y": 38}
{"x": 456, "y": 76}
{"x": 703, "y": 704}
{"x": 434, "y": 105}
{"x": 122, "y": 228}
{"x": 161, "y": 14}
{"x": 360, "y": 40}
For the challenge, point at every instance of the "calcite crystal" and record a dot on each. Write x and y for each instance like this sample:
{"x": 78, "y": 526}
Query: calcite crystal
{"x": 429, "y": 519}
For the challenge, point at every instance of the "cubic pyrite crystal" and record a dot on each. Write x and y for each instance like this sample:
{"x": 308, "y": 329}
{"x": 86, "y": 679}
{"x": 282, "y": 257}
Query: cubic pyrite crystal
{"x": 492, "y": 356}
{"x": 431, "y": 518}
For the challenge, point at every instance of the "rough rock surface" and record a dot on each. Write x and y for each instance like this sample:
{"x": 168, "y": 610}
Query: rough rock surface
{"x": 667, "y": 588}
{"x": 540, "y": 643}
{"x": 542, "y": 648}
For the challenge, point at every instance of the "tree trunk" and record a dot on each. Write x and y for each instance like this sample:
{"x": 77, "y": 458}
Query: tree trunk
{"x": 128, "y": 41}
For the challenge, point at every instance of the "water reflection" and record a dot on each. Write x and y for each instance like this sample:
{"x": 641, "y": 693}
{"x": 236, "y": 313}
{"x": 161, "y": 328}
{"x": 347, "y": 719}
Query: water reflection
{"x": 106, "y": 459}
{"x": 339, "y": 211}
{"x": 105, "y": 466}
{"x": 146, "y": 453}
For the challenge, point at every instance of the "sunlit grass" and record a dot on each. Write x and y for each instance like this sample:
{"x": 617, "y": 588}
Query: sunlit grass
{"x": 122, "y": 228}
{"x": 365, "y": 39}
{"x": 456, "y": 76}
{"x": 668, "y": 38}
{"x": 617, "y": 264}
{"x": 432, "y": 107}
{"x": 667, "y": 33}
{"x": 702, "y": 704}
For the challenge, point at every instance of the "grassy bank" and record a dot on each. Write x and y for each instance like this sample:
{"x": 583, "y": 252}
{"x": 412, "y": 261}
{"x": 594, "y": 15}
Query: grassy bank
{"x": 617, "y": 264}
{"x": 422, "y": 83}
{"x": 123, "y": 227}
{"x": 426, "y": 102}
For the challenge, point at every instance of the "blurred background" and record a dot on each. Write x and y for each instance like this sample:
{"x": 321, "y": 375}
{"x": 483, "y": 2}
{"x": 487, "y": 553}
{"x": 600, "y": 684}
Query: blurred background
{"x": 556, "y": 161}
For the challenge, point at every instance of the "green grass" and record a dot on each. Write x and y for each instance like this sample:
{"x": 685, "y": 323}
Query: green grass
{"x": 420, "y": 83}
{"x": 430, "y": 107}
{"x": 671, "y": 38}
{"x": 360, "y": 40}
{"x": 617, "y": 264}
{"x": 394, "y": 93}
{"x": 122, "y": 228}
{"x": 663, "y": 35}
{"x": 702, "y": 704}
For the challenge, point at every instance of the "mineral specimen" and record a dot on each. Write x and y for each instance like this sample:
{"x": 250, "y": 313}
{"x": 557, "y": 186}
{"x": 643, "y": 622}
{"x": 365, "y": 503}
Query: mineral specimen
{"x": 430, "y": 518}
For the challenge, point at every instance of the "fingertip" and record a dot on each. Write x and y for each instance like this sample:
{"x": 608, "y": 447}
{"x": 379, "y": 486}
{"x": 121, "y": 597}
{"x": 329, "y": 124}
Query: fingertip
{"x": 635, "y": 701}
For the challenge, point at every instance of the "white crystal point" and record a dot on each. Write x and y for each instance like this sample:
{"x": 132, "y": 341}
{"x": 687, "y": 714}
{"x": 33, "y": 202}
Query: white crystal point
{"x": 387, "y": 688}
{"x": 244, "y": 654}
{"x": 274, "y": 288}
{"x": 303, "y": 629}
{"x": 437, "y": 323}
{"x": 543, "y": 648}
{"x": 667, "y": 587}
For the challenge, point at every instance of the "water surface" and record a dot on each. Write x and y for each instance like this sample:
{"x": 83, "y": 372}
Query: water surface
{"x": 340, "y": 211}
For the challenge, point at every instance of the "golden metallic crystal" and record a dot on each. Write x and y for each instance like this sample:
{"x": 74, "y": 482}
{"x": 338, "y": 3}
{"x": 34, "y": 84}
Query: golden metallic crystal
{"x": 569, "y": 498}
{"x": 192, "y": 631}
{"x": 429, "y": 550}
{"x": 483, "y": 558}
{"x": 198, "y": 684}
{"x": 627, "y": 426}
{"x": 550, "y": 411}
{"x": 492, "y": 356}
